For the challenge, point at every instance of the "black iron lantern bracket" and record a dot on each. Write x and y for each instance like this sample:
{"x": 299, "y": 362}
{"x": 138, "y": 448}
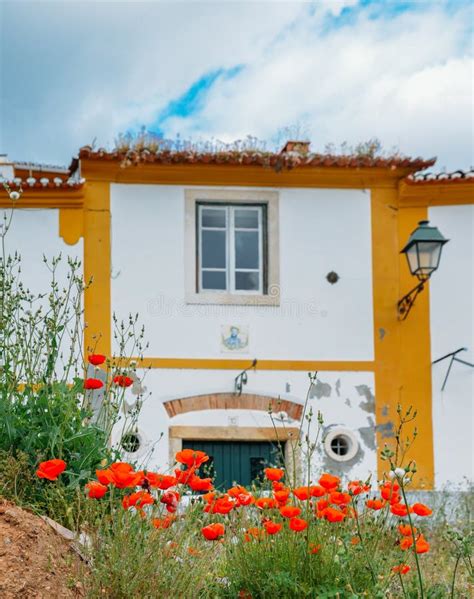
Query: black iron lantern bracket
{"x": 407, "y": 301}
{"x": 241, "y": 379}
{"x": 453, "y": 355}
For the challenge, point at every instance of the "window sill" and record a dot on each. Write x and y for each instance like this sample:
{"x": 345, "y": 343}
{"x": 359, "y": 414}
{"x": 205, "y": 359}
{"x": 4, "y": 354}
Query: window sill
{"x": 229, "y": 299}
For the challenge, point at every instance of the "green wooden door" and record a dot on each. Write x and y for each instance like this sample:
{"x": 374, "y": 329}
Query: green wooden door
{"x": 239, "y": 462}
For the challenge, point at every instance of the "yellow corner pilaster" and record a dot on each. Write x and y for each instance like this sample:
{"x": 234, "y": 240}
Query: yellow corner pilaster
{"x": 415, "y": 356}
{"x": 97, "y": 261}
{"x": 402, "y": 349}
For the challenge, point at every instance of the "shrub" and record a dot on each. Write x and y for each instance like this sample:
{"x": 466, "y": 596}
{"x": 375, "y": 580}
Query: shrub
{"x": 45, "y": 410}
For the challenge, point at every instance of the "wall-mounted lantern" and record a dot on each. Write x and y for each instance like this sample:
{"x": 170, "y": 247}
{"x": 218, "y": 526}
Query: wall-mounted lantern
{"x": 423, "y": 252}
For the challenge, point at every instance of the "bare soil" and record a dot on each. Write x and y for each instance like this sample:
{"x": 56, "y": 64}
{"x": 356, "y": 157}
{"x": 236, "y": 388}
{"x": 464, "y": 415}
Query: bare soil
{"x": 35, "y": 561}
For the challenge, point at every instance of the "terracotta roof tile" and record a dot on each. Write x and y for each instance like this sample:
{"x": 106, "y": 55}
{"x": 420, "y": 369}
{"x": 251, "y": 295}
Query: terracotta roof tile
{"x": 277, "y": 161}
{"x": 46, "y": 183}
{"x": 458, "y": 176}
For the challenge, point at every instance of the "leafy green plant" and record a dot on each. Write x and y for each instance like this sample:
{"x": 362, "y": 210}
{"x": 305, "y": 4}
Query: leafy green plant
{"x": 45, "y": 412}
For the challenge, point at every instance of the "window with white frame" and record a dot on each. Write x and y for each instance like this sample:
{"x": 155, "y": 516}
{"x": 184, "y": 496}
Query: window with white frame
{"x": 231, "y": 248}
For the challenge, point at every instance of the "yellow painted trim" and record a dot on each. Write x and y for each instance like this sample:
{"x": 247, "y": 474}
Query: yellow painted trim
{"x": 45, "y": 198}
{"x": 97, "y": 267}
{"x": 71, "y": 225}
{"x": 240, "y": 364}
{"x": 238, "y": 175}
{"x": 402, "y": 349}
{"x": 436, "y": 194}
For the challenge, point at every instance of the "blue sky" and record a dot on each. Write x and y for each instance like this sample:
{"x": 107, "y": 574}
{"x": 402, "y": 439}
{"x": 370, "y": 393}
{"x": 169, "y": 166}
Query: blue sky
{"x": 335, "y": 70}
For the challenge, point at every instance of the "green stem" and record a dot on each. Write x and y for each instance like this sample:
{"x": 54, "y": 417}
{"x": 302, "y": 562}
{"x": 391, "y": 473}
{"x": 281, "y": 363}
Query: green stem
{"x": 418, "y": 569}
{"x": 362, "y": 544}
{"x": 403, "y": 586}
{"x": 454, "y": 576}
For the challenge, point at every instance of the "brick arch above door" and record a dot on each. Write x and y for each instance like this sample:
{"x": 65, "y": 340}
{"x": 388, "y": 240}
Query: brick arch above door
{"x": 231, "y": 401}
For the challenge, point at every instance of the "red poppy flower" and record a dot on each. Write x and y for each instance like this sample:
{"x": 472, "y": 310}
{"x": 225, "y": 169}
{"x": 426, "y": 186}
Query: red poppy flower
{"x": 96, "y": 359}
{"x": 302, "y": 493}
{"x": 138, "y": 499}
{"x": 253, "y": 533}
{"x": 297, "y": 524}
{"x": 271, "y": 527}
{"x": 331, "y": 514}
{"x": 191, "y": 458}
{"x": 339, "y": 498}
{"x": 375, "y": 504}
{"x": 401, "y": 569}
{"x": 356, "y": 487}
{"x": 165, "y": 522}
{"x": 245, "y": 499}
{"x": 212, "y": 532}
{"x": 93, "y": 384}
{"x": 223, "y": 505}
{"x": 281, "y": 496}
{"x": 266, "y": 503}
{"x": 290, "y": 511}
{"x": 235, "y": 491}
{"x": 274, "y": 474}
{"x": 399, "y": 509}
{"x": 104, "y": 476}
{"x": 405, "y": 530}
{"x": 160, "y": 481}
{"x": 355, "y": 540}
{"x": 171, "y": 500}
{"x": 200, "y": 484}
{"x": 422, "y": 545}
{"x": 406, "y": 543}
{"x": 313, "y": 548}
{"x": 184, "y": 476}
{"x": 329, "y": 482}
{"x": 421, "y": 509}
{"x": 322, "y": 504}
{"x": 95, "y": 490}
{"x": 122, "y": 475}
{"x": 278, "y": 485}
{"x": 51, "y": 469}
{"x": 123, "y": 381}
{"x": 389, "y": 491}
{"x": 317, "y": 491}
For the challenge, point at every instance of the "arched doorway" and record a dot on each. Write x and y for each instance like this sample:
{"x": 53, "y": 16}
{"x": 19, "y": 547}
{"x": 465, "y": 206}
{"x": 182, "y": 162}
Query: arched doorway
{"x": 239, "y": 453}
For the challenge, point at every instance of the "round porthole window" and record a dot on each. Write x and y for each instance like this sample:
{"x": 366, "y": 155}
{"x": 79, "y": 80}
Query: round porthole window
{"x": 341, "y": 444}
{"x": 131, "y": 442}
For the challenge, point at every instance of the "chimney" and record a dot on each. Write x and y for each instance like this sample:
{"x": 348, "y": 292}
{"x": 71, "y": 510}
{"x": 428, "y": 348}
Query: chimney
{"x": 298, "y": 147}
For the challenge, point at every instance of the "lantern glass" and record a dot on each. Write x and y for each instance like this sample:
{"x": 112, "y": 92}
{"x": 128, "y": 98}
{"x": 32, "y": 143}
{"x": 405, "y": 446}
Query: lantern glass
{"x": 424, "y": 259}
{"x": 423, "y": 250}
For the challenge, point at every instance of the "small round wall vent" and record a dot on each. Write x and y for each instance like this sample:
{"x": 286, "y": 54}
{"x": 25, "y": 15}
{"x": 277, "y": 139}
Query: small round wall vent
{"x": 131, "y": 442}
{"x": 341, "y": 444}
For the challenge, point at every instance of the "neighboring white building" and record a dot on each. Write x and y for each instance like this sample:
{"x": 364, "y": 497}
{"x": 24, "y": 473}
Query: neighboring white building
{"x": 289, "y": 259}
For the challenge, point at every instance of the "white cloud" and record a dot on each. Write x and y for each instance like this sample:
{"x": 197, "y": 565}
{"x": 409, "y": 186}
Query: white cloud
{"x": 90, "y": 70}
{"x": 400, "y": 81}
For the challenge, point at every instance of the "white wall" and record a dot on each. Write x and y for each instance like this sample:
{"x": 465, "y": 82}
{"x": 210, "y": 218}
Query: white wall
{"x": 321, "y": 230}
{"x": 344, "y": 398}
{"x": 34, "y": 233}
{"x": 452, "y": 327}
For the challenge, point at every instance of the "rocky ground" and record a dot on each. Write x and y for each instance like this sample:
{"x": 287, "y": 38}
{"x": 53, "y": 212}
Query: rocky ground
{"x": 35, "y": 561}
